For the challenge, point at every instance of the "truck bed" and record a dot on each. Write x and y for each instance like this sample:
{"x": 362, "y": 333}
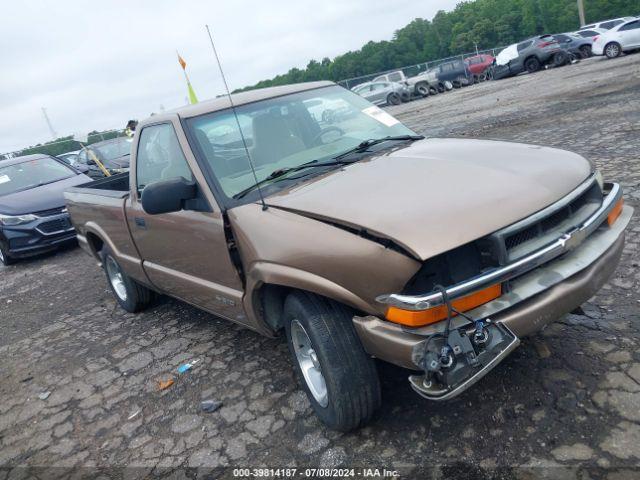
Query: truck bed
{"x": 116, "y": 186}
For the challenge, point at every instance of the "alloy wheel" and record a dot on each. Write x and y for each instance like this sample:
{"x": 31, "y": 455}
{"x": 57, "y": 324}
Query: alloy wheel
{"x": 115, "y": 277}
{"x": 309, "y": 363}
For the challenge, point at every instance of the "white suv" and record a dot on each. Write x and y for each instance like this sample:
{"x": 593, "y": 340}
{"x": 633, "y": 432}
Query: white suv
{"x": 623, "y": 38}
{"x": 607, "y": 24}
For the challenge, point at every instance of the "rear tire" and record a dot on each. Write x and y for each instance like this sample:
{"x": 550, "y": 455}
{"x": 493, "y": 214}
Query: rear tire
{"x": 131, "y": 296}
{"x": 532, "y": 65}
{"x": 422, "y": 89}
{"x": 612, "y": 50}
{"x": 338, "y": 376}
{"x": 394, "y": 99}
{"x": 5, "y": 258}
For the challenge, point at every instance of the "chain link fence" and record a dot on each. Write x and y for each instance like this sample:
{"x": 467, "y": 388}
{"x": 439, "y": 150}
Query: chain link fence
{"x": 413, "y": 70}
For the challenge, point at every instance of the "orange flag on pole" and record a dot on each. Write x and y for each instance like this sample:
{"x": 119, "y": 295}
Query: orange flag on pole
{"x": 183, "y": 64}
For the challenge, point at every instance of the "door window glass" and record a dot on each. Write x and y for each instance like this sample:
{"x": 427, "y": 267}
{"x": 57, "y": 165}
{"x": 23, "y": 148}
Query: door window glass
{"x": 160, "y": 156}
{"x": 631, "y": 26}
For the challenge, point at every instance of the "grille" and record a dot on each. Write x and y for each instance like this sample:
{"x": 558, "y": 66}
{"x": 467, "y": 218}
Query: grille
{"x": 56, "y": 225}
{"x": 545, "y": 230}
{"x": 521, "y": 237}
{"x": 51, "y": 212}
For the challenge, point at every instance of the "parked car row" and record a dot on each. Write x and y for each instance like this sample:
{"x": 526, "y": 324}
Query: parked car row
{"x": 608, "y": 37}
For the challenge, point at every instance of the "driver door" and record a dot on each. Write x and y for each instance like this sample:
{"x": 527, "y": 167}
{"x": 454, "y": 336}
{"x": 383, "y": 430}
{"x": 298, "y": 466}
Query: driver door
{"x": 184, "y": 253}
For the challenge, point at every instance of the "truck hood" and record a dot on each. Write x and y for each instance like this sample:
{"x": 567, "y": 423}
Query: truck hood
{"x": 38, "y": 199}
{"x": 437, "y": 194}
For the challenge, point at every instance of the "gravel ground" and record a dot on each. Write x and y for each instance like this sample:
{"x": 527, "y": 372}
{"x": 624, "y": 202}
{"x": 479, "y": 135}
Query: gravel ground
{"x": 566, "y": 404}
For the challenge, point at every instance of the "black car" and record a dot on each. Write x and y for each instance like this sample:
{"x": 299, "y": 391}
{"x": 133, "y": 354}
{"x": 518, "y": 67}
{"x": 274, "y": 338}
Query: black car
{"x": 33, "y": 216}
{"x": 113, "y": 154}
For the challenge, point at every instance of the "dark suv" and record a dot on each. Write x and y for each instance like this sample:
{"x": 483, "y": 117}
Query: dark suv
{"x": 456, "y": 72}
{"x": 530, "y": 56}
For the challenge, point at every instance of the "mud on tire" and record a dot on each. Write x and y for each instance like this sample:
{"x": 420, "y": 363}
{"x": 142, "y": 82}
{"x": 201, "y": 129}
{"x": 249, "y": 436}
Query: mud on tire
{"x": 349, "y": 373}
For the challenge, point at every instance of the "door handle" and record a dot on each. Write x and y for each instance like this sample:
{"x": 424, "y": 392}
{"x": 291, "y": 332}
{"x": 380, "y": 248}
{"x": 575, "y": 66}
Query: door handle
{"x": 140, "y": 222}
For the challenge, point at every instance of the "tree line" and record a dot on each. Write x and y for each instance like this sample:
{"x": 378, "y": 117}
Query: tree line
{"x": 482, "y": 23}
{"x": 68, "y": 144}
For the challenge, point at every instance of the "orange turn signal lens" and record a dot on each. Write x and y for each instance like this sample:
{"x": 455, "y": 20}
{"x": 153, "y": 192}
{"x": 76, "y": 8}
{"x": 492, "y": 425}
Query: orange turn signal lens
{"x": 436, "y": 314}
{"x": 615, "y": 212}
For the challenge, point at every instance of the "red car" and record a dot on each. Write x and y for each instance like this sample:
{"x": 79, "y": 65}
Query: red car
{"x": 478, "y": 65}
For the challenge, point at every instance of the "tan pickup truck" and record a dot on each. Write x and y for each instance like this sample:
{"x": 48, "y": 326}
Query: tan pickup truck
{"x": 359, "y": 239}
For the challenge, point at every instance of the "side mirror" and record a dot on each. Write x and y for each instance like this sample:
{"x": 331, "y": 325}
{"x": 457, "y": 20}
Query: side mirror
{"x": 168, "y": 196}
{"x": 91, "y": 162}
{"x": 82, "y": 168}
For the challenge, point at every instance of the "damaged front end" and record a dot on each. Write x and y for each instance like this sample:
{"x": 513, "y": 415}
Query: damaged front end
{"x": 450, "y": 333}
{"x": 454, "y": 364}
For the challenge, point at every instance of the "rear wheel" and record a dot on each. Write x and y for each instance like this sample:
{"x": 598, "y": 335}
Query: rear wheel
{"x": 5, "y": 258}
{"x": 422, "y": 89}
{"x": 338, "y": 376}
{"x": 394, "y": 99}
{"x": 131, "y": 296}
{"x": 532, "y": 65}
{"x": 612, "y": 50}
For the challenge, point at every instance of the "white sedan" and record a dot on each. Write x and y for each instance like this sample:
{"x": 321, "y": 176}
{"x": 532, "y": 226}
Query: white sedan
{"x": 622, "y": 38}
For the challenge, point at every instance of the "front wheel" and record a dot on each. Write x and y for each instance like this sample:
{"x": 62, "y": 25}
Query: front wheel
{"x": 131, "y": 296}
{"x": 5, "y": 258}
{"x": 338, "y": 376}
{"x": 532, "y": 65}
{"x": 612, "y": 50}
{"x": 585, "y": 50}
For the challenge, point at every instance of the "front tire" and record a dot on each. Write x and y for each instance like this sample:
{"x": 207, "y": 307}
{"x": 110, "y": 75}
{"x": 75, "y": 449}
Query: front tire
{"x": 612, "y": 50}
{"x": 532, "y": 65}
{"x": 338, "y": 376}
{"x": 5, "y": 258}
{"x": 131, "y": 296}
{"x": 585, "y": 50}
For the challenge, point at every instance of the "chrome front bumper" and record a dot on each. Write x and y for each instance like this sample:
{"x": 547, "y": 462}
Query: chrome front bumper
{"x": 566, "y": 243}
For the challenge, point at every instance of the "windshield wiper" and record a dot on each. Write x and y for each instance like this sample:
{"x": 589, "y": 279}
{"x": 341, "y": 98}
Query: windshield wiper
{"x": 281, "y": 172}
{"x": 364, "y": 146}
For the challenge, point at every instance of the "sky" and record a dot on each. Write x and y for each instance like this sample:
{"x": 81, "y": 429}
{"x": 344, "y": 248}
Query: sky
{"x": 95, "y": 65}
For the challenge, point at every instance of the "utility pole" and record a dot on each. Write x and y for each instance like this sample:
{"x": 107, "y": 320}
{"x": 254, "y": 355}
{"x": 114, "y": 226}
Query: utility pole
{"x": 581, "y": 12}
{"x": 54, "y": 135}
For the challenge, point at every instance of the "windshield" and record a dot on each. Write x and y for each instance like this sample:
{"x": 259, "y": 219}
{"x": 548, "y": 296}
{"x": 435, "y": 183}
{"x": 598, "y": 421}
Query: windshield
{"x": 113, "y": 150}
{"x": 286, "y": 132}
{"x": 32, "y": 173}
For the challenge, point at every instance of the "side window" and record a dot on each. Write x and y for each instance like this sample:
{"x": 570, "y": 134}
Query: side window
{"x": 522, "y": 46}
{"x": 631, "y": 26}
{"x": 160, "y": 156}
{"x": 608, "y": 25}
{"x": 395, "y": 77}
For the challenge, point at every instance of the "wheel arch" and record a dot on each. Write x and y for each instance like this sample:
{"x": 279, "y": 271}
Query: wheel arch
{"x": 269, "y": 284}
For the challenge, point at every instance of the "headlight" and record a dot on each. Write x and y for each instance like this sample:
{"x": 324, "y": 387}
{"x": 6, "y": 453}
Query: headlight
{"x": 10, "y": 220}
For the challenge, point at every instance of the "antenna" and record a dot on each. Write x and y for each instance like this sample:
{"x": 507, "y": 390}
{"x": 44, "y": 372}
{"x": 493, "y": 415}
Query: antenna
{"x": 53, "y": 133}
{"x": 235, "y": 114}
